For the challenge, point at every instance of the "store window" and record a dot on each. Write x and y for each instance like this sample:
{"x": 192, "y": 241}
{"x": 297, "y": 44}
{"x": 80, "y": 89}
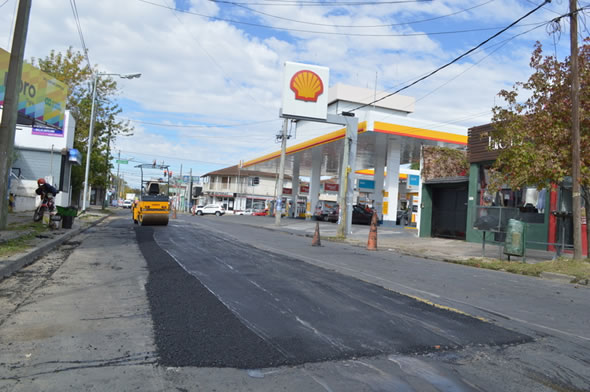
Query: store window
{"x": 526, "y": 204}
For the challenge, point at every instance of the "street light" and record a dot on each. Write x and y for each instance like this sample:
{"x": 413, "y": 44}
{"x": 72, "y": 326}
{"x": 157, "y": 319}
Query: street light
{"x": 89, "y": 149}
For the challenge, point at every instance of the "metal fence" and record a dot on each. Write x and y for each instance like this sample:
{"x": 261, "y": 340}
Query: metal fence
{"x": 494, "y": 219}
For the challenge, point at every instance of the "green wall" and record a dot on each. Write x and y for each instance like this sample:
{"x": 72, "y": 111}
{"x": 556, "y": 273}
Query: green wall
{"x": 426, "y": 212}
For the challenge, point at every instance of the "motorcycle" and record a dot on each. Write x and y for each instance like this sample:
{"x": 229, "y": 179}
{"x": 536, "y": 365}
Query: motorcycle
{"x": 47, "y": 205}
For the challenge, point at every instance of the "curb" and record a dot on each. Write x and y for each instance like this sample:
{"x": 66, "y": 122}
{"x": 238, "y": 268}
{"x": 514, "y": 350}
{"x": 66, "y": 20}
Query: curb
{"x": 563, "y": 278}
{"x": 28, "y": 258}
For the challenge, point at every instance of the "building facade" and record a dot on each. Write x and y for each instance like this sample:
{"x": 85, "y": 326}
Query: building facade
{"x": 237, "y": 189}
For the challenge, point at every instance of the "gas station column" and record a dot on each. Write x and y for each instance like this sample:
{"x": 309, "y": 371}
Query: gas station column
{"x": 295, "y": 185}
{"x": 392, "y": 182}
{"x": 314, "y": 183}
{"x": 380, "y": 154}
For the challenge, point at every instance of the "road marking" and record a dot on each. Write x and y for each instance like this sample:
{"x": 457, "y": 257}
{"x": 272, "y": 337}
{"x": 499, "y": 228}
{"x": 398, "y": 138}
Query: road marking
{"x": 320, "y": 262}
{"x": 336, "y": 266}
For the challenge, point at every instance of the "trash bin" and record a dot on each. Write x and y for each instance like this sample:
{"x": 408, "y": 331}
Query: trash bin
{"x": 67, "y": 216}
{"x": 515, "y": 238}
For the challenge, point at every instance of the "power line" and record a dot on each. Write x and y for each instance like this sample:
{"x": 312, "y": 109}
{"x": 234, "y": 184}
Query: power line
{"x": 3, "y": 4}
{"x": 198, "y": 126}
{"x": 174, "y": 158}
{"x": 319, "y": 32}
{"x": 79, "y": 27}
{"x": 356, "y": 26}
{"x": 503, "y": 43}
{"x": 223, "y": 72}
{"x": 326, "y": 3}
{"x": 455, "y": 59}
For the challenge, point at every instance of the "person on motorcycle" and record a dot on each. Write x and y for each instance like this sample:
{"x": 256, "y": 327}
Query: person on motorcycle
{"x": 45, "y": 190}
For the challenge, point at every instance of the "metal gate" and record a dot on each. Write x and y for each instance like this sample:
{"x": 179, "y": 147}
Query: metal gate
{"x": 449, "y": 211}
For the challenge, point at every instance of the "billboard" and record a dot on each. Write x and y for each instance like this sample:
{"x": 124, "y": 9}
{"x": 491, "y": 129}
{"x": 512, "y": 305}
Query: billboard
{"x": 305, "y": 91}
{"x": 41, "y": 96}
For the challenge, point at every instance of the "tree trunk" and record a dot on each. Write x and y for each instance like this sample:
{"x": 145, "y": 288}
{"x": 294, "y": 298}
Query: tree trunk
{"x": 586, "y": 196}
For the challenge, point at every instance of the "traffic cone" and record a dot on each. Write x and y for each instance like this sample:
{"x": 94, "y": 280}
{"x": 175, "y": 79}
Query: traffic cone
{"x": 316, "y": 236}
{"x": 372, "y": 243}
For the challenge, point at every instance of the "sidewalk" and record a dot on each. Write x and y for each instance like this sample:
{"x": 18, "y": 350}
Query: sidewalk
{"x": 399, "y": 239}
{"x": 30, "y": 240}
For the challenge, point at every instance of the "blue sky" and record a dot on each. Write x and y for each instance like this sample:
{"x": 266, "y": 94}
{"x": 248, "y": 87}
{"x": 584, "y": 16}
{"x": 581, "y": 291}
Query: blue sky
{"x": 213, "y": 86}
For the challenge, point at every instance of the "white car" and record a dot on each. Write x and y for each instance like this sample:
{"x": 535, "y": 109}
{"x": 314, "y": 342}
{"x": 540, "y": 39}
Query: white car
{"x": 127, "y": 203}
{"x": 210, "y": 209}
{"x": 248, "y": 211}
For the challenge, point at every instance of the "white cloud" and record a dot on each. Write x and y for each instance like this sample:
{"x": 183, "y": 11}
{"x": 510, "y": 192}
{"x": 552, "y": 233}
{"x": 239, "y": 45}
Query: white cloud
{"x": 195, "y": 69}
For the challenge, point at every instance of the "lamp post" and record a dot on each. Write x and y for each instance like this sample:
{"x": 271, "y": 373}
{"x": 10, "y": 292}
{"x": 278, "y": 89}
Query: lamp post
{"x": 89, "y": 149}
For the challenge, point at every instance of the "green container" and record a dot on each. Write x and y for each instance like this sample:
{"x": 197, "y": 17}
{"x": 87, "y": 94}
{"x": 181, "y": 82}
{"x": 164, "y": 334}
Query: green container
{"x": 515, "y": 238}
{"x": 67, "y": 211}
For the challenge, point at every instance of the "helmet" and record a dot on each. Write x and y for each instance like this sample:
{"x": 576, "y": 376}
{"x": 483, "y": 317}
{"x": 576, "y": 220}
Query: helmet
{"x": 40, "y": 181}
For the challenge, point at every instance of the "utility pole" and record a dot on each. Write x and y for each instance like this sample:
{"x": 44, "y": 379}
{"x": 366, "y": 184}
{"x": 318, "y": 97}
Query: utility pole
{"x": 190, "y": 189}
{"x": 178, "y": 184}
{"x": 106, "y": 170}
{"x": 576, "y": 191}
{"x": 278, "y": 204}
{"x": 118, "y": 179}
{"x": 10, "y": 108}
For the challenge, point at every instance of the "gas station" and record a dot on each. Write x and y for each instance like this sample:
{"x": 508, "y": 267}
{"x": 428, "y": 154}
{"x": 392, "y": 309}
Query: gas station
{"x": 383, "y": 138}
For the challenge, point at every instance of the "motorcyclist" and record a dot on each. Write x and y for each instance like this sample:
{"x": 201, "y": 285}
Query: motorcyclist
{"x": 45, "y": 190}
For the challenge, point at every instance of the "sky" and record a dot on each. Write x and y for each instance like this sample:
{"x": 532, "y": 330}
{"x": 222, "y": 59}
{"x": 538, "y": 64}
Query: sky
{"x": 209, "y": 95}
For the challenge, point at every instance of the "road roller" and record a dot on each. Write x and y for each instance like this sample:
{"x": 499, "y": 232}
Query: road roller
{"x": 153, "y": 205}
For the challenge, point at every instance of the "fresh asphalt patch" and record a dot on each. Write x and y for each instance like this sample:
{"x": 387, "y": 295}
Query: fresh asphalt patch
{"x": 220, "y": 303}
{"x": 192, "y": 327}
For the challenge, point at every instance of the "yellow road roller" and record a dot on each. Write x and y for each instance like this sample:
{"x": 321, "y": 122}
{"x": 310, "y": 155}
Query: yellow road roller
{"x": 153, "y": 206}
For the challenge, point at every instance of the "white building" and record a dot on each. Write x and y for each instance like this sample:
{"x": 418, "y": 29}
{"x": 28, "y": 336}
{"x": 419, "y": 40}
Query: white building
{"x": 43, "y": 152}
{"x": 238, "y": 189}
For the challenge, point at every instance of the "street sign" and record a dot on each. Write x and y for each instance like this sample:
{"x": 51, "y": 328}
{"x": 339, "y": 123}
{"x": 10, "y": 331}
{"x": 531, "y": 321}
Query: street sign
{"x": 122, "y": 161}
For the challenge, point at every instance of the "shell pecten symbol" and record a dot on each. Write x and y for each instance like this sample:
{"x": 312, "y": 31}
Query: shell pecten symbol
{"x": 307, "y": 86}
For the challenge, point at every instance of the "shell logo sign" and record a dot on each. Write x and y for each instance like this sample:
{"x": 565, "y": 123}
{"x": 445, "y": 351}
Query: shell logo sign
{"x": 304, "y": 91}
{"x": 307, "y": 86}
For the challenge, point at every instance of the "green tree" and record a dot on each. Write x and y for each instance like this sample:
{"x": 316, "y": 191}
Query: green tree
{"x": 536, "y": 131}
{"x": 71, "y": 68}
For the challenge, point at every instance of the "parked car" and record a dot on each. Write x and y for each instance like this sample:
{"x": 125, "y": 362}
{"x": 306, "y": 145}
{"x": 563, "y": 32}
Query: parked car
{"x": 259, "y": 212}
{"x": 127, "y": 203}
{"x": 247, "y": 211}
{"x": 326, "y": 211}
{"x": 210, "y": 209}
{"x": 361, "y": 214}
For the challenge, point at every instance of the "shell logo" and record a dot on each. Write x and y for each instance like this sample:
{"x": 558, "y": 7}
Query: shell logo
{"x": 307, "y": 86}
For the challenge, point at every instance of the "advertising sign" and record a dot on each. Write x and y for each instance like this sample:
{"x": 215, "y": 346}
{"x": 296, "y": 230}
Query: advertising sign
{"x": 305, "y": 91}
{"x": 413, "y": 182}
{"x": 287, "y": 191}
{"x": 41, "y": 96}
{"x": 366, "y": 184}
{"x": 46, "y": 131}
{"x": 304, "y": 189}
{"x": 330, "y": 187}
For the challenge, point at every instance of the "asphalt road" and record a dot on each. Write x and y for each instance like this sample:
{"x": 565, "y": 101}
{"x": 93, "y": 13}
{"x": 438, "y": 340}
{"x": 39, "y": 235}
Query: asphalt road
{"x": 98, "y": 315}
{"x": 245, "y": 307}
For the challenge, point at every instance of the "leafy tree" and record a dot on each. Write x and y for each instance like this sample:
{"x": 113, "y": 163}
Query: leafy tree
{"x": 71, "y": 68}
{"x": 536, "y": 131}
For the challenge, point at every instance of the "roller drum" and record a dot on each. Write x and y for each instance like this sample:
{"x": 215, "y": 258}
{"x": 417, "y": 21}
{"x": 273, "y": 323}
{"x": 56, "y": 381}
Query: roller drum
{"x": 154, "y": 219}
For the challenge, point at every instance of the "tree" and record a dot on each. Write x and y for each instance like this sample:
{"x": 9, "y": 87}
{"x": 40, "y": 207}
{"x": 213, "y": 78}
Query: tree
{"x": 536, "y": 132}
{"x": 70, "y": 68}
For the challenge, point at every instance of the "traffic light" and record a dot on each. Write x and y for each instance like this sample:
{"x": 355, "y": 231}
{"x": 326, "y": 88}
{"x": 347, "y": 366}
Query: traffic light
{"x": 255, "y": 180}
{"x": 197, "y": 190}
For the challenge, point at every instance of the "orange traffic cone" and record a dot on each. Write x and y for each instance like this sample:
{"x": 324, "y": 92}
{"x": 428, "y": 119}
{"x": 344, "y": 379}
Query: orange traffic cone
{"x": 316, "y": 236}
{"x": 372, "y": 243}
